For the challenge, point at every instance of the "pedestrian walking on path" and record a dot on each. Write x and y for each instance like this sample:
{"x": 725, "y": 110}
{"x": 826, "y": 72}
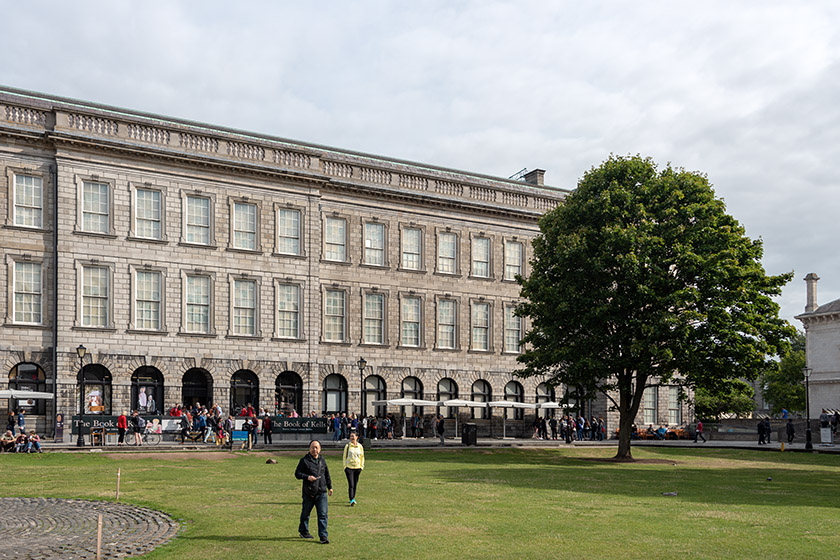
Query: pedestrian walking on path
{"x": 698, "y": 432}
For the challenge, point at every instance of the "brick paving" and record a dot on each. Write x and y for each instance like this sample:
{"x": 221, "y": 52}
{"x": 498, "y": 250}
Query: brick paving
{"x": 44, "y": 528}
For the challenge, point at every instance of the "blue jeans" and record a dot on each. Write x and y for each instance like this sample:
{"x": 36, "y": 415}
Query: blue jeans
{"x": 320, "y": 503}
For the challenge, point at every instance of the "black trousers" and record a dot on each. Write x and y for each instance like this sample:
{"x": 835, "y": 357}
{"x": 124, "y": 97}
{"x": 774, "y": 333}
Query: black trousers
{"x": 352, "y": 480}
{"x": 266, "y": 437}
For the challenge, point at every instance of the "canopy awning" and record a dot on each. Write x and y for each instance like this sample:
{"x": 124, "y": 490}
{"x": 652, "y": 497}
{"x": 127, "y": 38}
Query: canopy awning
{"x": 17, "y": 394}
{"x": 511, "y": 404}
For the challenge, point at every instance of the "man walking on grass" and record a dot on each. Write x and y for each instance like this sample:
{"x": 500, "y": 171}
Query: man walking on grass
{"x": 317, "y": 485}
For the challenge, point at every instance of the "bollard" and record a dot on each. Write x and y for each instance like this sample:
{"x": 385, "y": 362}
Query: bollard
{"x": 118, "y": 485}
{"x": 783, "y": 447}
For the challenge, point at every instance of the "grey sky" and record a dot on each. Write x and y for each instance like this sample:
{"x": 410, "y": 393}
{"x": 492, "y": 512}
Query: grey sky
{"x": 746, "y": 92}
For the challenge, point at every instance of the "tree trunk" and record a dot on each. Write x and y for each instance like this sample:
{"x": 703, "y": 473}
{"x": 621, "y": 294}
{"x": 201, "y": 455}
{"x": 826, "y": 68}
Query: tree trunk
{"x": 625, "y": 422}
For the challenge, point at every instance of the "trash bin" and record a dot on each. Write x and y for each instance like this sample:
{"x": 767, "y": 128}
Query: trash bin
{"x": 469, "y": 434}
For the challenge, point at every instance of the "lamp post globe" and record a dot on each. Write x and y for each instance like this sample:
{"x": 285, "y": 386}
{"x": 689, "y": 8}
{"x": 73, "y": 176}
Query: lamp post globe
{"x": 81, "y": 351}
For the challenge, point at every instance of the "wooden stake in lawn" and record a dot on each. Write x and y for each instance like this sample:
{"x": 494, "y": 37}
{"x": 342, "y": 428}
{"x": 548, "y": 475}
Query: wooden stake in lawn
{"x": 118, "y": 485}
{"x": 99, "y": 539}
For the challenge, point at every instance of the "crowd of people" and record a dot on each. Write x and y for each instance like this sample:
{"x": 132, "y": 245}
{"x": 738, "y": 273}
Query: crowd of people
{"x": 569, "y": 428}
{"x": 23, "y": 441}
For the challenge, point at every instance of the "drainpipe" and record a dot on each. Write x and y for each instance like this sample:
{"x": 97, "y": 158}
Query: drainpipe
{"x": 54, "y": 170}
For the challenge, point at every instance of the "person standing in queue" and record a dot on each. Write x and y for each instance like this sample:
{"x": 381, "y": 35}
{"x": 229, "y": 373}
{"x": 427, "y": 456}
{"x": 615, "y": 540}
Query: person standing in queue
{"x": 317, "y": 485}
{"x": 354, "y": 463}
{"x": 441, "y": 430}
{"x": 122, "y": 426}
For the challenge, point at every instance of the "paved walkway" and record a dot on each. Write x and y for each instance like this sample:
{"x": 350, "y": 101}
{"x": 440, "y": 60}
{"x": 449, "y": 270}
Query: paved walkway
{"x": 47, "y": 528}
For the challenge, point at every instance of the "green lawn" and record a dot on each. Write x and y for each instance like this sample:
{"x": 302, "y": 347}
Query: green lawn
{"x": 501, "y": 503}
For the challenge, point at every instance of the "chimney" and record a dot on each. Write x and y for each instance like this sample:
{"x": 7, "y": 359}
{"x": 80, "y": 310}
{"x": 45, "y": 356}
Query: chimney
{"x": 811, "y": 299}
{"x": 535, "y": 177}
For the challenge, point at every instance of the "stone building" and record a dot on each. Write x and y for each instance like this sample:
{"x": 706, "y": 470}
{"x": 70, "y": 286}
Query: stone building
{"x": 200, "y": 263}
{"x": 822, "y": 349}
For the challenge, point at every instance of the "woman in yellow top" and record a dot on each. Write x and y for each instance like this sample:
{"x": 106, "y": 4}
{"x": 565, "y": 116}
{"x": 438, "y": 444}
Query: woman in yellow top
{"x": 354, "y": 462}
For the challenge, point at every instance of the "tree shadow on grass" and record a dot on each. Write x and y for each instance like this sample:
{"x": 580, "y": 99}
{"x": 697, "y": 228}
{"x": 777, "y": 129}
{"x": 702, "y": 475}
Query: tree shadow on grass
{"x": 242, "y": 538}
{"x": 751, "y": 455}
{"x": 747, "y": 486}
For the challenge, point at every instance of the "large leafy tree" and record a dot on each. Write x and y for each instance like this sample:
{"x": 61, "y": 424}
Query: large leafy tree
{"x": 641, "y": 277}
{"x": 735, "y": 397}
{"x": 784, "y": 386}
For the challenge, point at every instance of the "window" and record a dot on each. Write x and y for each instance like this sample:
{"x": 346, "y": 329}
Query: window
{"x": 288, "y": 393}
{"x": 29, "y": 201}
{"x": 29, "y": 377}
{"x": 515, "y": 393}
{"x": 288, "y": 232}
{"x": 197, "y": 387}
{"x": 197, "y": 295}
{"x": 481, "y": 393}
{"x": 674, "y": 408}
{"x": 335, "y": 394}
{"x": 374, "y": 391}
{"x": 446, "y": 324}
{"x": 447, "y": 253}
{"x": 374, "y": 328}
{"x": 197, "y": 222}
{"x": 410, "y": 314}
{"x": 244, "y": 391}
{"x": 334, "y": 313}
{"x": 244, "y": 307}
{"x": 545, "y": 394}
{"x": 27, "y": 293}
{"x": 412, "y": 247}
{"x": 335, "y": 240}
{"x": 288, "y": 311}
{"x": 147, "y": 214}
{"x": 513, "y": 330}
{"x": 412, "y": 388}
{"x": 96, "y": 291}
{"x": 481, "y": 257}
{"x": 480, "y": 326}
{"x": 244, "y": 226}
{"x": 650, "y": 399}
{"x": 513, "y": 259}
{"x": 374, "y": 244}
{"x": 147, "y": 390}
{"x": 96, "y": 207}
{"x": 447, "y": 390}
{"x": 147, "y": 301}
{"x": 96, "y": 389}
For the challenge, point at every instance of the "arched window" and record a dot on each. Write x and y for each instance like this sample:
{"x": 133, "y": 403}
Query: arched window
{"x": 96, "y": 387}
{"x": 28, "y": 377}
{"x": 545, "y": 394}
{"x": 447, "y": 389}
{"x": 288, "y": 393}
{"x": 244, "y": 390}
{"x": 481, "y": 393}
{"x": 335, "y": 394}
{"x": 412, "y": 388}
{"x": 147, "y": 390}
{"x": 374, "y": 391}
{"x": 514, "y": 393}
{"x": 196, "y": 387}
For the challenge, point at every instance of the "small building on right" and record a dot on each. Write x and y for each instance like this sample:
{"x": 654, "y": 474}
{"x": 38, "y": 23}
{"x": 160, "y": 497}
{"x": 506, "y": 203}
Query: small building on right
{"x": 822, "y": 349}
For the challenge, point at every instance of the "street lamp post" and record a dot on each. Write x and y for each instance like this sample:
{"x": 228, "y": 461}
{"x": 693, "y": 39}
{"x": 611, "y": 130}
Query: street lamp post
{"x": 808, "y": 445}
{"x": 81, "y": 351}
{"x": 362, "y": 363}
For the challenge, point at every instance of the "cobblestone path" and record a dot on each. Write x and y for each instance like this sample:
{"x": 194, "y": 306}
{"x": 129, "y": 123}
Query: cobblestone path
{"x": 41, "y": 528}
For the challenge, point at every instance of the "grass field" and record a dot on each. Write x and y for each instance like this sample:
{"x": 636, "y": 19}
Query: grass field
{"x": 500, "y": 503}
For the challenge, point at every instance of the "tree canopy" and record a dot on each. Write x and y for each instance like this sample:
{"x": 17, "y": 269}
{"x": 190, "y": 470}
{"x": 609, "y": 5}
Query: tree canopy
{"x": 734, "y": 398}
{"x": 784, "y": 385}
{"x": 641, "y": 277}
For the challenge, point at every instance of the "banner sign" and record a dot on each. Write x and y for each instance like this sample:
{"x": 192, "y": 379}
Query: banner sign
{"x": 170, "y": 424}
{"x": 299, "y": 425}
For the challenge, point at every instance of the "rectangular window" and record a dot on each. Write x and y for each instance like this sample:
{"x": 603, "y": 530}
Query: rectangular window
{"x": 446, "y": 324}
{"x": 447, "y": 253}
{"x": 650, "y": 405}
{"x": 411, "y": 321}
{"x": 29, "y": 201}
{"x": 481, "y": 257}
{"x": 147, "y": 214}
{"x": 513, "y": 330}
{"x": 334, "y": 310}
{"x": 335, "y": 240}
{"x": 147, "y": 301}
{"x": 244, "y": 226}
{"x": 288, "y": 232}
{"x": 374, "y": 318}
{"x": 95, "y": 294}
{"x": 674, "y": 408}
{"x": 288, "y": 311}
{"x": 375, "y": 244}
{"x": 96, "y": 207}
{"x": 27, "y": 291}
{"x": 480, "y": 326}
{"x": 198, "y": 220}
{"x": 198, "y": 304}
{"x": 513, "y": 259}
{"x": 412, "y": 244}
{"x": 244, "y": 307}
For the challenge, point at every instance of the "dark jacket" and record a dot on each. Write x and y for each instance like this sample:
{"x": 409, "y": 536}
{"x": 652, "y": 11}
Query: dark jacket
{"x": 314, "y": 467}
{"x": 440, "y": 426}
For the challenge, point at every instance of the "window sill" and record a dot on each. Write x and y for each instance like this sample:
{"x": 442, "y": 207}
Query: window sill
{"x": 148, "y": 240}
{"x": 243, "y": 337}
{"x": 244, "y": 251}
{"x": 197, "y": 245}
{"x": 412, "y": 270}
{"x": 95, "y": 234}
{"x": 374, "y": 345}
{"x": 486, "y": 352}
{"x": 447, "y": 349}
{"x": 290, "y": 255}
{"x": 32, "y": 229}
{"x": 448, "y": 274}
{"x": 283, "y": 339}
{"x": 375, "y": 266}
{"x": 338, "y": 263}
{"x": 141, "y": 331}
{"x": 109, "y": 329}
{"x": 197, "y": 335}
{"x": 11, "y": 325}
{"x": 335, "y": 343}
{"x": 481, "y": 278}
{"x": 400, "y": 347}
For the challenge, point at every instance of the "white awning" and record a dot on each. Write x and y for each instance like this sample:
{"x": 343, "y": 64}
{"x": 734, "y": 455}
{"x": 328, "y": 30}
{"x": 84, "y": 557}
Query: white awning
{"x": 22, "y": 395}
